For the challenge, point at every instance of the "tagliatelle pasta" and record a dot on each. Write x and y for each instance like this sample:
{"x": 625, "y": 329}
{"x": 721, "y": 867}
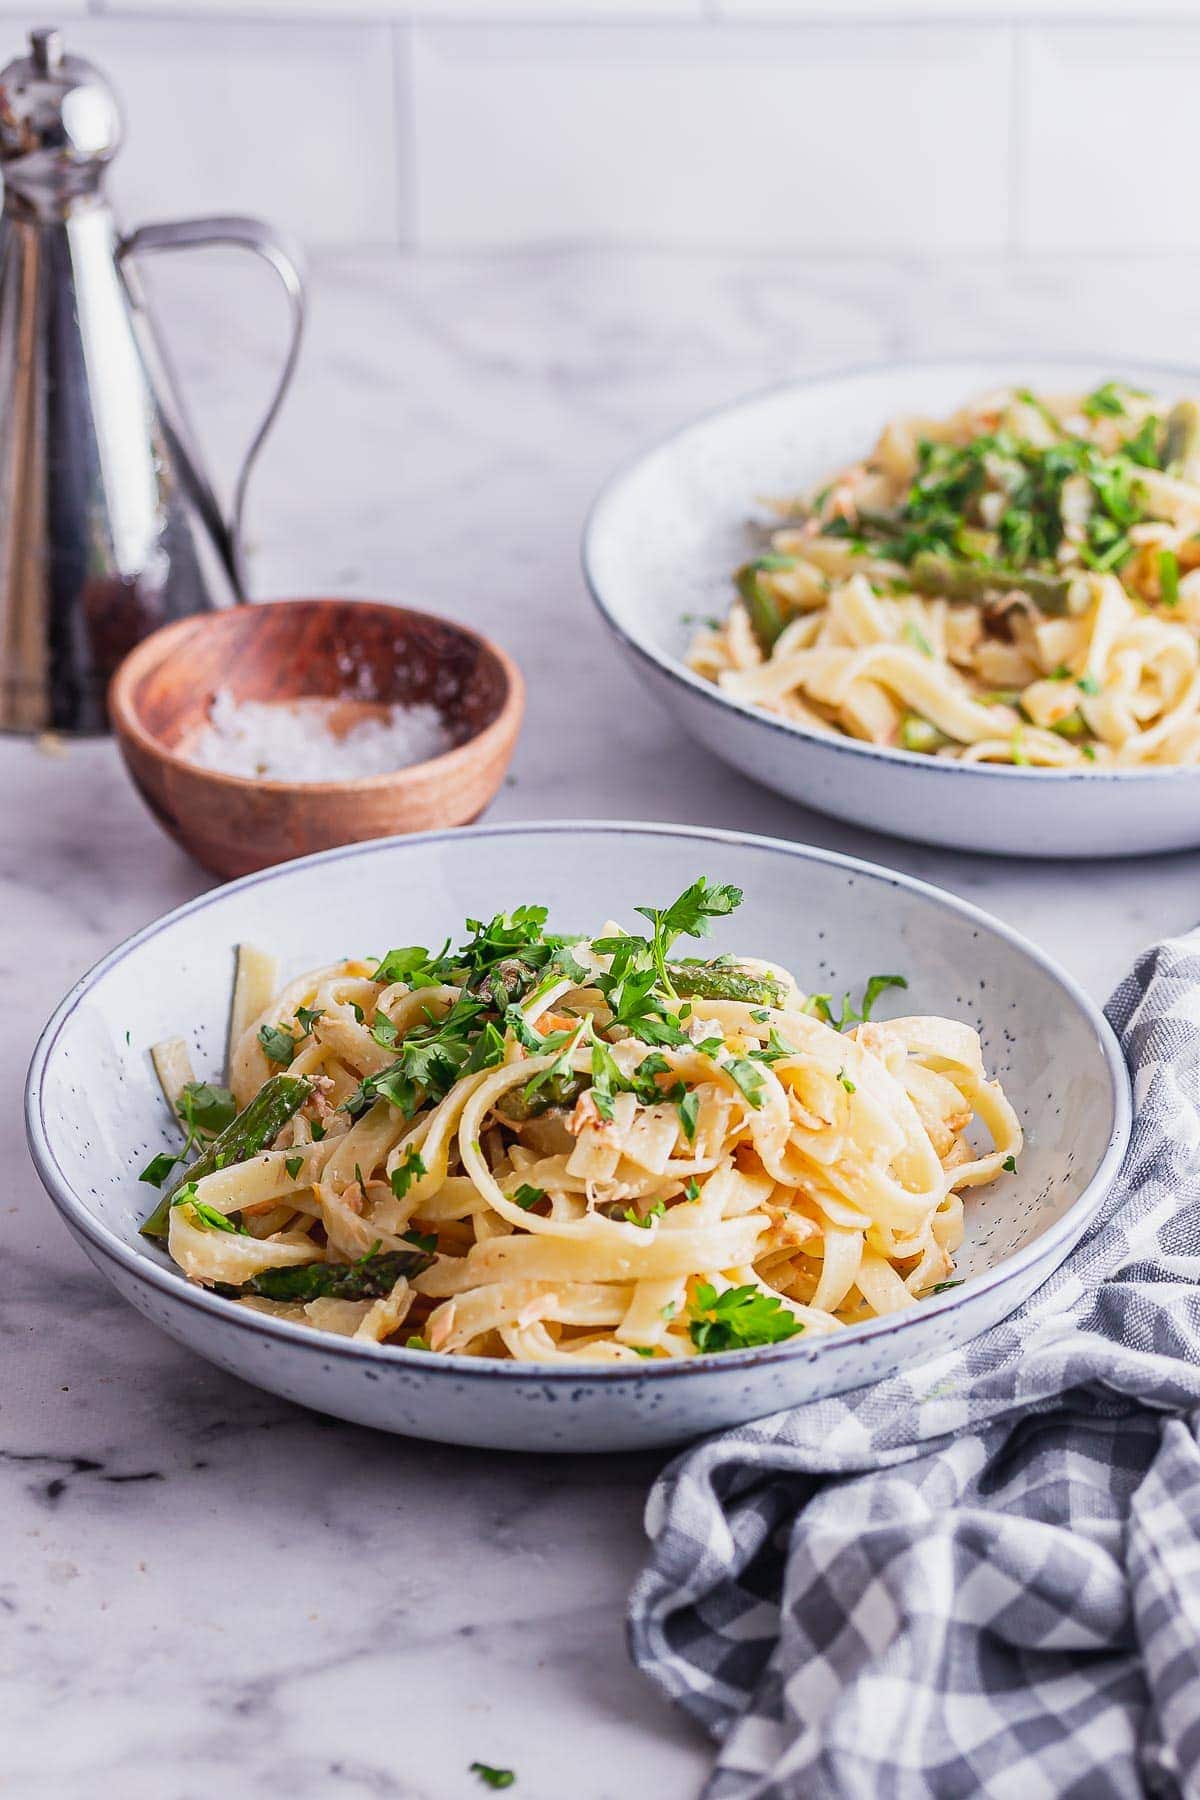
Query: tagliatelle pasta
{"x": 1018, "y": 584}
{"x": 584, "y": 1150}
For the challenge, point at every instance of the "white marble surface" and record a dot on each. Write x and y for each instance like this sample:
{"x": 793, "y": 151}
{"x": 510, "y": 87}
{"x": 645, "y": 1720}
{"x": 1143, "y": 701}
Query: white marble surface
{"x": 202, "y": 1589}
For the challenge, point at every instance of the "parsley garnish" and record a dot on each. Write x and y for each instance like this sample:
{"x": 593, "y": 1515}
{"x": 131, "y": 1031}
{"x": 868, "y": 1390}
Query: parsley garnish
{"x": 307, "y": 1016}
{"x": 158, "y": 1168}
{"x": 279, "y": 1046}
{"x": 943, "y": 1286}
{"x": 846, "y": 1082}
{"x": 1087, "y": 684}
{"x": 527, "y": 1197}
{"x": 821, "y": 1005}
{"x": 493, "y": 1778}
{"x": 205, "y": 1110}
{"x": 748, "y": 1077}
{"x": 426, "y": 1241}
{"x": 738, "y": 1318}
{"x": 645, "y": 1220}
{"x": 402, "y": 1177}
{"x": 1009, "y": 1165}
{"x": 293, "y": 1165}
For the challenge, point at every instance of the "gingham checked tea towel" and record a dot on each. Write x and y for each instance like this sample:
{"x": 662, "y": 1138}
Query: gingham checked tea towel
{"x": 981, "y": 1576}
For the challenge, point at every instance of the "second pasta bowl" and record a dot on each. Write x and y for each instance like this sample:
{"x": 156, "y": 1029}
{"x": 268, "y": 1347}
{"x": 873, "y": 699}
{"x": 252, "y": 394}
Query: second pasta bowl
{"x": 667, "y": 535}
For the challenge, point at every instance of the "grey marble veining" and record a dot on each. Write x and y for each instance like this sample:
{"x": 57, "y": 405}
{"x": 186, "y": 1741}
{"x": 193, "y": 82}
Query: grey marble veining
{"x": 202, "y": 1589}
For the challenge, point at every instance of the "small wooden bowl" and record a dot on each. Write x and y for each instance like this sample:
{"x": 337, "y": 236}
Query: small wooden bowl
{"x": 363, "y": 653}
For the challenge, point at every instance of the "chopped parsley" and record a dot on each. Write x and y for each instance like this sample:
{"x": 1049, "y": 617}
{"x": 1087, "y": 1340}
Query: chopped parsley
{"x": 846, "y": 1082}
{"x": 738, "y": 1319}
{"x": 205, "y": 1110}
{"x": 748, "y": 1077}
{"x": 1009, "y": 1165}
{"x": 279, "y": 1046}
{"x": 633, "y": 1217}
{"x": 944, "y": 1286}
{"x": 493, "y": 1778}
{"x": 821, "y": 1005}
{"x": 158, "y": 1168}
{"x": 403, "y": 1176}
{"x": 307, "y": 1016}
{"x": 293, "y": 1165}
{"x": 527, "y": 1197}
{"x": 1087, "y": 684}
{"x": 421, "y": 1240}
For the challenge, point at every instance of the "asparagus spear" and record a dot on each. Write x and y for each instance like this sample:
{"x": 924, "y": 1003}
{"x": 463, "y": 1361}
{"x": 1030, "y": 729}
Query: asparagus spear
{"x": 766, "y": 614}
{"x": 935, "y": 574}
{"x": 562, "y": 1091}
{"x": 369, "y": 1279}
{"x": 256, "y": 1126}
{"x": 1181, "y": 450}
{"x": 709, "y": 981}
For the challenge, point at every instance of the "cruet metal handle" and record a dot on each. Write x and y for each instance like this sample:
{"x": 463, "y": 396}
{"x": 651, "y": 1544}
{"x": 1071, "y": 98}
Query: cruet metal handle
{"x": 284, "y": 258}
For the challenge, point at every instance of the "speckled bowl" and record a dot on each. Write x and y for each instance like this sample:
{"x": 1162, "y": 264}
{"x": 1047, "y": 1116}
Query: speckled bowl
{"x": 95, "y": 1116}
{"x": 668, "y": 530}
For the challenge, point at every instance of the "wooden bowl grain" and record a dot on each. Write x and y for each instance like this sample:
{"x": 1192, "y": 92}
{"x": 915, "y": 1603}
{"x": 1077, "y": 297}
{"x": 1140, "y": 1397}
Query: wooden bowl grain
{"x": 365, "y": 654}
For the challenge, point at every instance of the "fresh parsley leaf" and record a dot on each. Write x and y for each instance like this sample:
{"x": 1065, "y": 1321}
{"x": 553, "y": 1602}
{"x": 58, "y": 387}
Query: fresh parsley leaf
{"x": 205, "y": 1110}
{"x": 821, "y": 1005}
{"x": 493, "y": 1778}
{"x": 158, "y": 1168}
{"x": 293, "y": 1165}
{"x": 412, "y": 966}
{"x": 403, "y": 1176}
{"x": 279, "y": 1046}
{"x": 1009, "y": 1165}
{"x": 646, "y": 1219}
{"x": 203, "y": 1213}
{"x": 1105, "y": 402}
{"x": 307, "y": 1016}
{"x": 689, "y": 1112}
{"x": 738, "y": 1318}
{"x": 426, "y": 1241}
{"x": 692, "y": 1188}
{"x": 748, "y": 1077}
{"x": 642, "y": 1349}
{"x": 524, "y": 1033}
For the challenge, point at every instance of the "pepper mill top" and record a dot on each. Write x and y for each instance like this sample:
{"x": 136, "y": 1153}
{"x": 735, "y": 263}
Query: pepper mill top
{"x": 60, "y": 124}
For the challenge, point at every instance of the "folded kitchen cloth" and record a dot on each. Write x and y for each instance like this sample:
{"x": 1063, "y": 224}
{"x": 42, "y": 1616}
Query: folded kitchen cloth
{"x": 981, "y": 1576}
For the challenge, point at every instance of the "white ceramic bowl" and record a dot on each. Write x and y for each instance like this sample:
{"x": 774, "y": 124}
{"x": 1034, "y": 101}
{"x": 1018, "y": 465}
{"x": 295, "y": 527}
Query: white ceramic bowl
{"x": 94, "y": 1114}
{"x": 667, "y": 532}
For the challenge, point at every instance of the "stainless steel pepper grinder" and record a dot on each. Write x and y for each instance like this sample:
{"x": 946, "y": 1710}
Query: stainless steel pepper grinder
{"x": 109, "y": 526}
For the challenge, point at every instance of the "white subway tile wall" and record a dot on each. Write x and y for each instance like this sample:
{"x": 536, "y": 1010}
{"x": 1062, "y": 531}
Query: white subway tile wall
{"x": 827, "y": 126}
{"x": 821, "y": 139}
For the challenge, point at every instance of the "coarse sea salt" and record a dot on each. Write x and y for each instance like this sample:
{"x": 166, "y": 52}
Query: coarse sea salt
{"x": 314, "y": 740}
